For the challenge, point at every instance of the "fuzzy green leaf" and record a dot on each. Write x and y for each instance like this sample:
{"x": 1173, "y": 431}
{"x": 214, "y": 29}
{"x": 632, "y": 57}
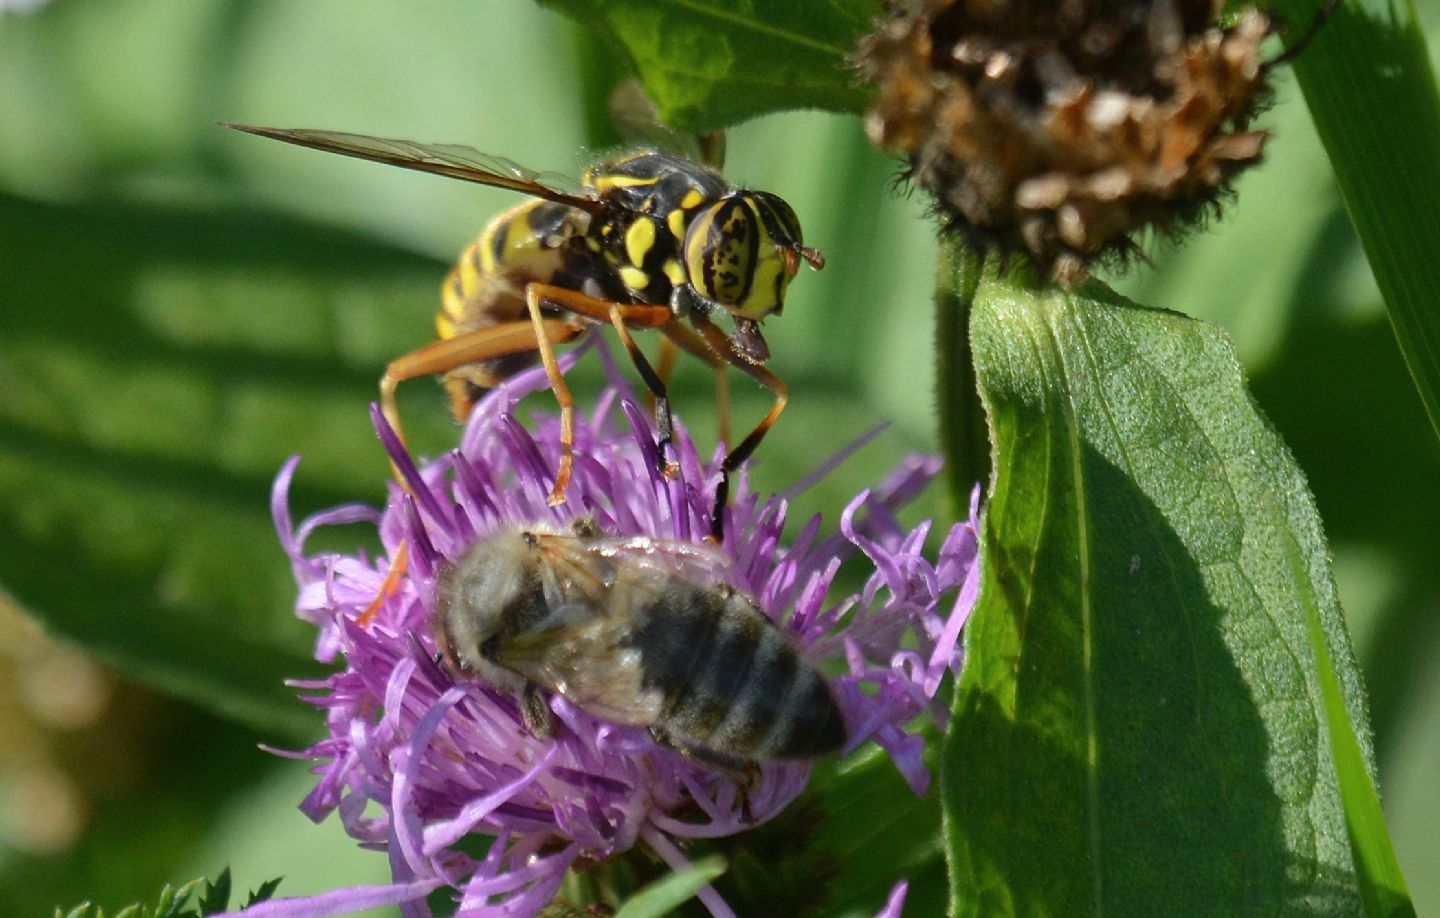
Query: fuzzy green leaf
{"x": 174, "y": 902}
{"x": 1140, "y": 719}
{"x": 171, "y": 900}
{"x": 710, "y": 63}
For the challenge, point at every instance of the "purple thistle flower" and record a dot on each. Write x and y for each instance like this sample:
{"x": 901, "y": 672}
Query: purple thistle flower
{"x": 417, "y": 760}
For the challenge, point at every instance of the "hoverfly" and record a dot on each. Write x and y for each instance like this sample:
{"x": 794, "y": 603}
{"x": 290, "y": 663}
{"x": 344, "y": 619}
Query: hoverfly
{"x": 636, "y": 631}
{"x": 649, "y": 240}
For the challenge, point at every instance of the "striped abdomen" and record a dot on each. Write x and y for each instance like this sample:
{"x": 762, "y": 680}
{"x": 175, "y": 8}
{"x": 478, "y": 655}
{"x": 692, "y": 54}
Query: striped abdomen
{"x": 533, "y": 242}
{"x": 735, "y": 687}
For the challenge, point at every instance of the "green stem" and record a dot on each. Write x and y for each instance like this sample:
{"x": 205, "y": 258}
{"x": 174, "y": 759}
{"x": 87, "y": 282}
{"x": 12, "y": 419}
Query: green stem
{"x": 964, "y": 436}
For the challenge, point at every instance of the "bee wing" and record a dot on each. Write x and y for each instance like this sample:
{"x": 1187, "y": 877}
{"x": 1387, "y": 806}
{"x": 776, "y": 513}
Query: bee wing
{"x": 586, "y": 654}
{"x": 601, "y": 591}
{"x": 639, "y": 560}
{"x": 453, "y": 160}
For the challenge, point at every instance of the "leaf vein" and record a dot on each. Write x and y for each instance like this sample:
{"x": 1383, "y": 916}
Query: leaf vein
{"x": 754, "y": 25}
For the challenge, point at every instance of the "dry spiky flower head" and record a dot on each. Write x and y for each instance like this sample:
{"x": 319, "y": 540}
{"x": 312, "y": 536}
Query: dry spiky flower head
{"x": 1064, "y": 128}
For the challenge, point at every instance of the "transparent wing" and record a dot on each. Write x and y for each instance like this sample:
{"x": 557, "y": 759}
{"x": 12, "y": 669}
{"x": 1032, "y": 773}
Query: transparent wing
{"x": 634, "y": 115}
{"x": 600, "y": 590}
{"x": 592, "y": 662}
{"x": 453, "y": 160}
{"x": 637, "y": 561}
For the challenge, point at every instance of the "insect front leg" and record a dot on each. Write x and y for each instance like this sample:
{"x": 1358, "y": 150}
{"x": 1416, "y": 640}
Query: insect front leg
{"x": 692, "y": 344}
{"x": 664, "y": 425}
{"x": 722, "y": 345}
{"x": 533, "y": 295}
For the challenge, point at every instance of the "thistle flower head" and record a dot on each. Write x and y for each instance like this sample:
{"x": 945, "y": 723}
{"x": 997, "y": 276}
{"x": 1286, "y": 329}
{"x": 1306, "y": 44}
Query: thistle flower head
{"x": 1063, "y": 129}
{"x": 417, "y": 760}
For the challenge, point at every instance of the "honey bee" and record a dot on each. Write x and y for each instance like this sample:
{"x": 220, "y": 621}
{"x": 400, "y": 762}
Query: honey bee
{"x": 636, "y": 631}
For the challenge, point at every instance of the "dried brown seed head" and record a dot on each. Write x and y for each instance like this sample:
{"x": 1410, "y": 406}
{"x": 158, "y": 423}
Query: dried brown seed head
{"x": 1064, "y": 128}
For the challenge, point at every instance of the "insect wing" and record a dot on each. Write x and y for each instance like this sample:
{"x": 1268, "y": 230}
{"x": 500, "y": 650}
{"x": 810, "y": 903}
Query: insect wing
{"x": 593, "y": 565}
{"x": 586, "y": 654}
{"x": 640, "y": 559}
{"x": 453, "y": 160}
{"x": 601, "y": 591}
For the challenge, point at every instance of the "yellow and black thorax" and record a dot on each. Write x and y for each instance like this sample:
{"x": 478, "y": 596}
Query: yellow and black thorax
{"x": 676, "y": 232}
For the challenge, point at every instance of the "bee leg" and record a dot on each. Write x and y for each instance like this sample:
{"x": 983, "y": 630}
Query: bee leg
{"x": 448, "y": 353}
{"x": 723, "y": 346}
{"x": 745, "y": 785}
{"x": 696, "y": 347}
{"x": 664, "y": 426}
{"x": 669, "y": 353}
{"x": 744, "y": 772}
{"x": 536, "y": 713}
{"x": 734, "y": 764}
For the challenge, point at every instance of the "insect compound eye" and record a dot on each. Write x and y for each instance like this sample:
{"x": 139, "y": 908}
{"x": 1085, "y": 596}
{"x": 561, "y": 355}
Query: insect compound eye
{"x": 740, "y": 252}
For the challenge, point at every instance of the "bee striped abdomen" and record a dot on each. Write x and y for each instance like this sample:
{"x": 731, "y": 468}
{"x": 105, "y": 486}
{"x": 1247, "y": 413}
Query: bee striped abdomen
{"x": 735, "y": 686}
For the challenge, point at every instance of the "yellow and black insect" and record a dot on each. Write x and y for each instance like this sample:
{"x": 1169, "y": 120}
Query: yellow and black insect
{"x": 648, "y": 240}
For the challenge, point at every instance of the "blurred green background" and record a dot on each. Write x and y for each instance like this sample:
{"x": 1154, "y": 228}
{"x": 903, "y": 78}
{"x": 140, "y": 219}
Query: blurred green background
{"x": 182, "y": 307}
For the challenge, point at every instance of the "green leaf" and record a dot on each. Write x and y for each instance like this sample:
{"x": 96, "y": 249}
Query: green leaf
{"x": 668, "y": 893}
{"x": 159, "y": 364}
{"x": 1371, "y": 91}
{"x": 1382, "y": 887}
{"x": 215, "y": 895}
{"x": 263, "y": 894}
{"x": 964, "y": 439}
{"x": 877, "y": 832}
{"x": 709, "y": 63}
{"x": 172, "y": 901}
{"x": 1140, "y": 718}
